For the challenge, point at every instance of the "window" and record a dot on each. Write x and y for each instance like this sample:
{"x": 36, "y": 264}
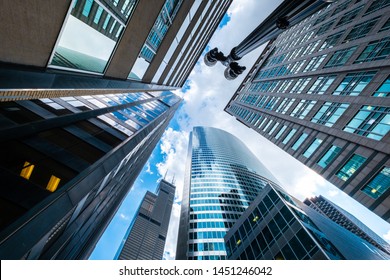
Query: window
{"x": 27, "y": 170}
{"x": 312, "y": 148}
{"x": 321, "y": 84}
{"x": 329, "y": 156}
{"x": 331, "y": 40}
{"x": 325, "y": 27}
{"x": 289, "y": 136}
{"x": 98, "y": 15}
{"x": 386, "y": 26}
{"x": 348, "y": 17}
{"x": 377, "y": 5}
{"x": 329, "y": 113}
{"x": 371, "y": 121}
{"x": 361, "y": 30}
{"x": 314, "y": 63}
{"x": 87, "y": 7}
{"x": 273, "y": 128}
{"x": 341, "y": 7}
{"x": 353, "y": 164}
{"x": 384, "y": 89}
{"x": 299, "y": 142}
{"x": 277, "y": 136}
{"x": 340, "y": 57}
{"x": 303, "y": 108}
{"x": 379, "y": 184}
{"x": 376, "y": 50}
{"x": 106, "y": 21}
{"x": 300, "y": 85}
{"x": 353, "y": 84}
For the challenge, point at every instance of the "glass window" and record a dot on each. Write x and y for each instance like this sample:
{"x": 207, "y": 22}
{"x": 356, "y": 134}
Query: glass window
{"x": 300, "y": 85}
{"x": 86, "y": 27}
{"x": 299, "y": 142}
{"x": 377, "y": 5}
{"x": 321, "y": 84}
{"x": 379, "y": 184}
{"x": 331, "y": 40}
{"x": 386, "y": 26}
{"x": 348, "y": 17}
{"x": 325, "y": 27}
{"x": 314, "y": 63}
{"x": 361, "y": 30}
{"x": 376, "y": 50}
{"x": 87, "y": 7}
{"x": 329, "y": 156}
{"x": 312, "y": 148}
{"x": 277, "y": 136}
{"x": 340, "y": 57}
{"x": 289, "y": 136}
{"x": 384, "y": 89}
{"x": 353, "y": 164}
{"x": 98, "y": 15}
{"x": 353, "y": 84}
{"x": 329, "y": 113}
{"x": 303, "y": 108}
{"x": 371, "y": 121}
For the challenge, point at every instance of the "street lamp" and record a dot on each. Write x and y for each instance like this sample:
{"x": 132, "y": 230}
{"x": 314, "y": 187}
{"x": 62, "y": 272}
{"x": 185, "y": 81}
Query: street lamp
{"x": 287, "y": 14}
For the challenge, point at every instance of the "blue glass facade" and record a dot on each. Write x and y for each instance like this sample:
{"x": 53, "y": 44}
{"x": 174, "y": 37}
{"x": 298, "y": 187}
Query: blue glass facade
{"x": 223, "y": 177}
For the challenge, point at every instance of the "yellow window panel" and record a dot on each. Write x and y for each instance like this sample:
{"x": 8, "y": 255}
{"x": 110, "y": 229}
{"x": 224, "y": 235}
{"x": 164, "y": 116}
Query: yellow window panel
{"x": 27, "y": 170}
{"x": 53, "y": 183}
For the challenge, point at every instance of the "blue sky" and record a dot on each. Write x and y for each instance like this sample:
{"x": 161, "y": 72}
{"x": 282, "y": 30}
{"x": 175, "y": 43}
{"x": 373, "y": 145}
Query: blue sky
{"x": 205, "y": 95}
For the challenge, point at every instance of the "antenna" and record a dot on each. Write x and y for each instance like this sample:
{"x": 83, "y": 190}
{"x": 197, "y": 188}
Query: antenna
{"x": 173, "y": 179}
{"x": 166, "y": 172}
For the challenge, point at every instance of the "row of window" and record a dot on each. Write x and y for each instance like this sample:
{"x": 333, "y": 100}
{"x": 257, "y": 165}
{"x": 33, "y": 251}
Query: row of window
{"x": 206, "y": 247}
{"x": 371, "y": 121}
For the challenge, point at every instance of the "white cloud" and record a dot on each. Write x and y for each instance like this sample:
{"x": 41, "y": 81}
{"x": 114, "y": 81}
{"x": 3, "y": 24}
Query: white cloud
{"x": 148, "y": 170}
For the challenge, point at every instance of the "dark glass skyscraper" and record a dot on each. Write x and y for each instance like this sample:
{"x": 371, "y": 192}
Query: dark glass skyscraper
{"x": 222, "y": 178}
{"x": 320, "y": 91}
{"x": 66, "y": 165}
{"x": 145, "y": 238}
{"x": 277, "y": 226}
{"x": 347, "y": 221}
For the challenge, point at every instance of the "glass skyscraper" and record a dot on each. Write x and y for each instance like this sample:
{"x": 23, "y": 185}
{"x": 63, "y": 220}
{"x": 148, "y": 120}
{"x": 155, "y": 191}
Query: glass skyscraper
{"x": 146, "y": 235}
{"x": 66, "y": 165}
{"x": 277, "y": 226}
{"x": 222, "y": 178}
{"x": 320, "y": 91}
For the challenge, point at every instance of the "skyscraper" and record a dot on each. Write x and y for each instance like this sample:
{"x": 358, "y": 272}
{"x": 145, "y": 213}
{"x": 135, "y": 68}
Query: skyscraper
{"x": 145, "y": 238}
{"x": 66, "y": 165}
{"x": 222, "y": 178}
{"x": 278, "y": 226}
{"x": 88, "y": 47}
{"x": 347, "y": 221}
{"x": 320, "y": 92}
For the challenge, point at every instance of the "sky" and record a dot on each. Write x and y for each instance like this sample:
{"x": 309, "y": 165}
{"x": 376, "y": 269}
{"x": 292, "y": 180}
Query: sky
{"x": 205, "y": 95}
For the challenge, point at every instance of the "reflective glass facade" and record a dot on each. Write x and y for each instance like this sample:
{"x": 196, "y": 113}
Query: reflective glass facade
{"x": 72, "y": 160}
{"x": 277, "y": 226}
{"x": 327, "y": 77}
{"x": 223, "y": 177}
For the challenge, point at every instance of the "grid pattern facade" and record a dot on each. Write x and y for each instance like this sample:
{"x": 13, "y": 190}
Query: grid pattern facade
{"x": 67, "y": 164}
{"x": 145, "y": 238}
{"x": 346, "y": 220}
{"x": 223, "y": 177}
{"x": 143, "y": 45}
{"x": 276, "y": 226}
{"x": 319, "y": 91}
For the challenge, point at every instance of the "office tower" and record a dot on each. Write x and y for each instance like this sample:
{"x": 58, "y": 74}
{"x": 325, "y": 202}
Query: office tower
{"x": 66, "y": 165}
{"x": 276, "y": 226}
{"x": 347, "y": 221}
{"x": 222, "y": 178}
{"x": 87, "y": 47}
{"x": 145, "y": 238}
{"x": 319, "y": 91}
